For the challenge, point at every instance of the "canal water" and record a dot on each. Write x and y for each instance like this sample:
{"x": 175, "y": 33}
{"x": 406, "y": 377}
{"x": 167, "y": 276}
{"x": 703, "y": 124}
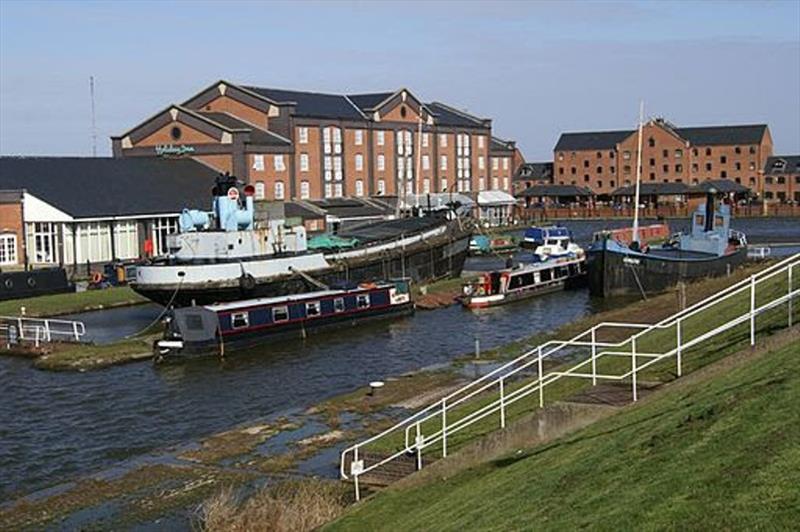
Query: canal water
{"x": 56, "y": 427}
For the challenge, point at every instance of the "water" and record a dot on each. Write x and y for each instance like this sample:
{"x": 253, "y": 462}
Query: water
{"x": 57, "y": 426}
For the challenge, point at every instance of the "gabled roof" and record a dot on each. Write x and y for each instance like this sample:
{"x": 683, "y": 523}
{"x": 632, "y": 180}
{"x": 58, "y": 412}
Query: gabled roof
{"x": 450, "y": 116}
{"x": 498, "y": 144}
{"x": 257, "y": 135}
{"x": 556, "y": 191}
{"x": 96, "y": 187}
{"x": 594, "y": 140}
{"x": 534, "y": 172}
{"x": 312, "y": 104}
{"x": 369, "y": 102}
{"x": 782, "y": 164}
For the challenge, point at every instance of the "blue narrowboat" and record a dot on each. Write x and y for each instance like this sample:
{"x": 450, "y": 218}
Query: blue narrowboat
{"x": 221, "y": 328}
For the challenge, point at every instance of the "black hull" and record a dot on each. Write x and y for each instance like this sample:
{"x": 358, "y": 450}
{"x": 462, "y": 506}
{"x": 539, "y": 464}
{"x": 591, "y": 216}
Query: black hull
{"x": 254, "y": 339}
{"x": 31, "y": 283}
{"x": 422, "y": 262}
{"x": 612, "y": 273}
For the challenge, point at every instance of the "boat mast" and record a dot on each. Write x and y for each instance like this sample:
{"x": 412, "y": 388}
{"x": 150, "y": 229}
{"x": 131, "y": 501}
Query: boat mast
{"x": 635, "y": 236}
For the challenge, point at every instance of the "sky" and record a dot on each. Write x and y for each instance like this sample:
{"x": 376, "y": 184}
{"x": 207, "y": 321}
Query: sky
{"x": 536, "y": 68}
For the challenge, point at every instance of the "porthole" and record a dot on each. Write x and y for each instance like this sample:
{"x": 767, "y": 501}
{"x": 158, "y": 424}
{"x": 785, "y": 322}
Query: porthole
{"x": 176, "y": 133}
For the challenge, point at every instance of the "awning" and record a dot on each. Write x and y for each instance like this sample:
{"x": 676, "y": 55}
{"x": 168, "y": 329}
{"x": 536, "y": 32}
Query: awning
{"x": 495, "y": 197}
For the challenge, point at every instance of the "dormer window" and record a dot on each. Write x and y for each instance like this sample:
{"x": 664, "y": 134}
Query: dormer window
{"x": 779, "y": 165}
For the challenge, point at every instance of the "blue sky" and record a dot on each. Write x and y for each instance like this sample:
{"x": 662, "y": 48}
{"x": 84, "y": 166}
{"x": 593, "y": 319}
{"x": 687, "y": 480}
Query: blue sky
{"x": 537, "y": 68}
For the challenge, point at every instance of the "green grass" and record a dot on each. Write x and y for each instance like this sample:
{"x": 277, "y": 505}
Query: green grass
{"x": 75, "y": 357}
{"x": 719, "y": 451}
{"x": 54, "y": 305}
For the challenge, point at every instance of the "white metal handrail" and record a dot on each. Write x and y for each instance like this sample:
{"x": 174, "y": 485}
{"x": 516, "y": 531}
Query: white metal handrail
{"x": 39, "y": 330}
{"x": 499, "y": 377}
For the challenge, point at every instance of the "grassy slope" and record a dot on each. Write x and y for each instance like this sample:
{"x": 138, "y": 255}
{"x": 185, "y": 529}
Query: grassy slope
{"x": 719, "y": 453}
{"x": 56, "y": 304}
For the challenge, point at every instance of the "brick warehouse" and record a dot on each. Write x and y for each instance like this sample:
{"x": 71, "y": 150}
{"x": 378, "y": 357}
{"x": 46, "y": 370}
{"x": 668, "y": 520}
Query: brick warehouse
{"x": 305, "y": 145}
{"x": 604, "y": 161}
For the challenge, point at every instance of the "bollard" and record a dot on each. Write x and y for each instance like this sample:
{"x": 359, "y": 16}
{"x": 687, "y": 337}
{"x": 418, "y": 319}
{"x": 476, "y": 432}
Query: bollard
{"x": 477, "y": 347}
{"x": 374, "y": 386}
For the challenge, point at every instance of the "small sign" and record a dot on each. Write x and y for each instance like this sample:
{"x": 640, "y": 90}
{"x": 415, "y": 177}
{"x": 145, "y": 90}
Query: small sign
{"x": 233, "y": 194}
{"x": 164, "y": 150}
{"x": 356, "y": 467}
{"x": 628, "y": 260}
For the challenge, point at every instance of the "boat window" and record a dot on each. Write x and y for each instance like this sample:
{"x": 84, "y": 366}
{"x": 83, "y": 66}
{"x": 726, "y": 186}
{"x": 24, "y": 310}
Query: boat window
{"x": 338, "y": 304}
{"x": 194, "y": 322}
{"x": 240, "y": 320}
{"x": 700, "y": 220}
{"x": 312, "y": 309}
{"x": 546, "y": 275}
{"x": 563, "y": 272}
{"x": 362, "y": 301}
{"x": 280, "y": 314}
{"x": 719, "y": 221}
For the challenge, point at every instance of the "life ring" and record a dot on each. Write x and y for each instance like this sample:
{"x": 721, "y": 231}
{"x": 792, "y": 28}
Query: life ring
{"x": 31, "y": 282}
{"x": 247, "y": 282}
{"x": 97, "y": 277}
{"x": 9, "y": 283}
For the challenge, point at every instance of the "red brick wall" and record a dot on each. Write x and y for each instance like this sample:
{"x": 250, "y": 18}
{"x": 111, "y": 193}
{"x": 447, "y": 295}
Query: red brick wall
{"x": 11, "y": 222}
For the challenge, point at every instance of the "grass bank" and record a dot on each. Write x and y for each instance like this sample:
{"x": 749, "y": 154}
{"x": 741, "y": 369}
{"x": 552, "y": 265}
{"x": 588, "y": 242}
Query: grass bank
{"x": 72, "y": 303}
{"x": 84, "y": 357}
{"x": 717, "y": 449}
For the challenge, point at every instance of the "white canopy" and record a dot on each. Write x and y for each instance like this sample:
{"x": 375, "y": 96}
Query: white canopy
{"x": 495, "y": 197}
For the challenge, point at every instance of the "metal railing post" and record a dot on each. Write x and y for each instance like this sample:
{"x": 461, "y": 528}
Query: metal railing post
{"x": 678, "y": 346}
{"x": 502, "y": 405}
{"x": 355, "y": 475}
{"x": 21, "y": 329}
{"x": 47, "y": 330}
{"x": 594, "y": 357}
{"x": 419, "y": 449}
{"x": 444, "y": 428}
{"x": 633, "y": 367}
{"x": 75, "y": 330}
{"x": 789, "y": 291}
{"x": 541, "y": 389}
{"x": 752, "y": 310}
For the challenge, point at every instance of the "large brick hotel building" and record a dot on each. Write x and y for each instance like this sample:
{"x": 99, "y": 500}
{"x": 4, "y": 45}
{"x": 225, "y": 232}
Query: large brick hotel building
{"x": 305, "y": 145}
{"x": 604, "y": 161}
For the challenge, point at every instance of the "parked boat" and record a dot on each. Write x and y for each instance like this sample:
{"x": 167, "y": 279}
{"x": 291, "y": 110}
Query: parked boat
{"x": 485, "y": 245}
{"x": 225, "y": 257}
{"x": 634, "y": 268}
{"x": 524, "y": 281}
{"x": 221, "y": 328}
{"x": 551, "y": 242}
{"x": 37, "y": 282}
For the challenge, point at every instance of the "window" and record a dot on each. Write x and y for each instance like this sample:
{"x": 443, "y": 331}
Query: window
{"x": 328, "y": 190}
{"x": 665, "y": 153}
{"x": 678, "y": 154}
{"x": 362, "y": 301}
{"x": 175, "y": 133}
{"x": 612, "y": 184}
{"x": 737, "y": 150}
{"x": 652, "y": 162}
{"x": 359, "y": 162}
{"x": 278, "y": 190}
{"x": 305, "y": 190}
{"x": 708, "y": 151}
{"x": 312, "y": 309}
{"x": 426, "y": 186}
{"x": 279, "y": 164}
{"x": 359, "y": 187}
{"x": 126, "y": 239}
{"x": 380, "y": 138}
{"x": 752, "y": 150}
{"x": 240, "y": 320}
{"x": 302, "y": 134}
{"x": 694, "y": 152}
{"x": 723, "y": 159}
{"x": 8, "y": 249}
{"x": 425, "y": 140}
{"x": 443, "y": 140}
{"x": 651, "y": 142}
{"x": 599, "y": 169}
{"x": 611, "y": 155}
{"x": 482, "y": 183}
{"x": 426, "y": 162}
{"x": 495, "y": 163}
{"x": 738, "y": 165}
{"x": 258, "y": 163}
{"x": 627, "y": 169}
{"x": 695, "y": 167}
{"x": 381, "y": 162}
{"x": 573, "y": 170}
{"x": 678, "y": 168}
{"x": 652, "y": 176}
{"x": 280, "y": 314}
{"x": 665, "y": 168}
{"x": 561, "y": 156}
{"x": 381, "y": 187}
{"x": 359, "y": 137}
{"x": 768, "y": 194}
{"x": 626, "y": 155}
{"x": 259, "y": 190}
{"x": 505, "y": 183}
{"x": 338, "y": 191}
{"x": 443, "y": 162}
{"x": 304, "y": 162}
{"x": 586, "y": 178}
{"x": 752, "y": 165}
{"x": 612, "y": 169}
{"x": 708, "y": 167}
{"x": 338, "y": 304}
{"x": 161, "y": 228}
{"x": 599, "y": 184}
{"x": 599, "y": 155}
{"x": 444, "y": 184}
{"x": 723, "y": 174}
{"x": 505, "y": 163}
{"x": 481, "y": 140}
{"x": 482, "y": 164}
{"x": 586, "y": 164}
{"x": 781, "y": 180}
{"x": 561, "y": 170}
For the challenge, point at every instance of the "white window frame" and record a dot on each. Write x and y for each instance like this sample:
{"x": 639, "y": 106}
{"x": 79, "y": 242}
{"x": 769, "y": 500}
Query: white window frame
{"x": 380, "y": 138}
{"x": 280, "y": 165}
{"x": 240, "y": 320}
{"x": 258, "y": 163}
{"x": 302, "y": 135}
{"x": 381, "y": 162}
{"x": 8, "y": 248}
{"x": 359, "y": 187}
{"x": 381, "y": 187}
{"x": 280, "y": 190}
{"x": 425, "y": 140}
{"x": 275, "y": 311}
{"x": 304, "y": 162}
{"x": 359, "y": 137}
{"x": 161, "y": 228}
{"x": 260, "y": 190}
{"x": 505, "y": 163}
{"x": 359, "y": 162}
{"x": 44, "y": 237}
{"x": 443, "y": 162}
{"x": 315, "y": 305}
{"x": 481, "y": 163}
{"x": 443, "y": 140}
{"x": 481, "y": 140}
{"x": 426, "y": 162}
{"x": 305, "y": 189}
{"x": 495, "y": 163}
{"x": 443, "y": 184}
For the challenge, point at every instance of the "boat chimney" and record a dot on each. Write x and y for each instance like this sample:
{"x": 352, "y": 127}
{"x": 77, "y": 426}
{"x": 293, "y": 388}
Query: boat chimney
{"x": 709, "y": 226}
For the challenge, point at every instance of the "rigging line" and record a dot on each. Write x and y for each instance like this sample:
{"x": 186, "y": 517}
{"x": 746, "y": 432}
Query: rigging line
{"x": 161, "y": 315}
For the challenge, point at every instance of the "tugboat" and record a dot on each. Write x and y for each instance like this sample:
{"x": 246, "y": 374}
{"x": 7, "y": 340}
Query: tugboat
{"x": 227, "y": 256}
{"x": 221, "y": 328}
{"x": 711, "y": 249}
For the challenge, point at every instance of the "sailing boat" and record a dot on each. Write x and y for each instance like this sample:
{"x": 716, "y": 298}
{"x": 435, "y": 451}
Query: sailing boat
{"x": 633, "y": 268}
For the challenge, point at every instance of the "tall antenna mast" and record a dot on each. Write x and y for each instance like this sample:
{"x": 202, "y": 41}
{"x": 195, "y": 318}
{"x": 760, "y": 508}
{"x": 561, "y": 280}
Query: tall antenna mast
{"x": 635, "y": 236}
{"x": 94, "y": 124}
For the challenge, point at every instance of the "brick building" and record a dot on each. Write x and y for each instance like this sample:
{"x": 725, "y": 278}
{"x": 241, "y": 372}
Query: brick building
{"x": 782, "y": 179}
{"x": 306, "y": 145}
{"x": 606, "y": 160}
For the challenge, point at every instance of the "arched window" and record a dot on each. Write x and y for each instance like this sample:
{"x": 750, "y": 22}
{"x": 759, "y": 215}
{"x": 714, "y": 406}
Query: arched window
{"x": 279, "y": 193}
{"x": 259, "y": 190}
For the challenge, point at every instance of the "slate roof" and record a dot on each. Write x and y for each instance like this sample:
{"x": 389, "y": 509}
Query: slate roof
{"x": 367, "y": 102}
{"x": 791, "y": 164}
{"x": 312, "y": 104}
{"x": 653, "y": 189}
{"x": 498, "y": 144}
{"x": 725, "y": 186}
{"x": 534, "y": 172}
{"x": 349, "y": 207}
{"x": 257, "y": 135}
{"x": 87, "y": 187}
{"x": 556, "y": 191}
{"x": 449, "y": 116}
{"x": 698, "y": 136}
